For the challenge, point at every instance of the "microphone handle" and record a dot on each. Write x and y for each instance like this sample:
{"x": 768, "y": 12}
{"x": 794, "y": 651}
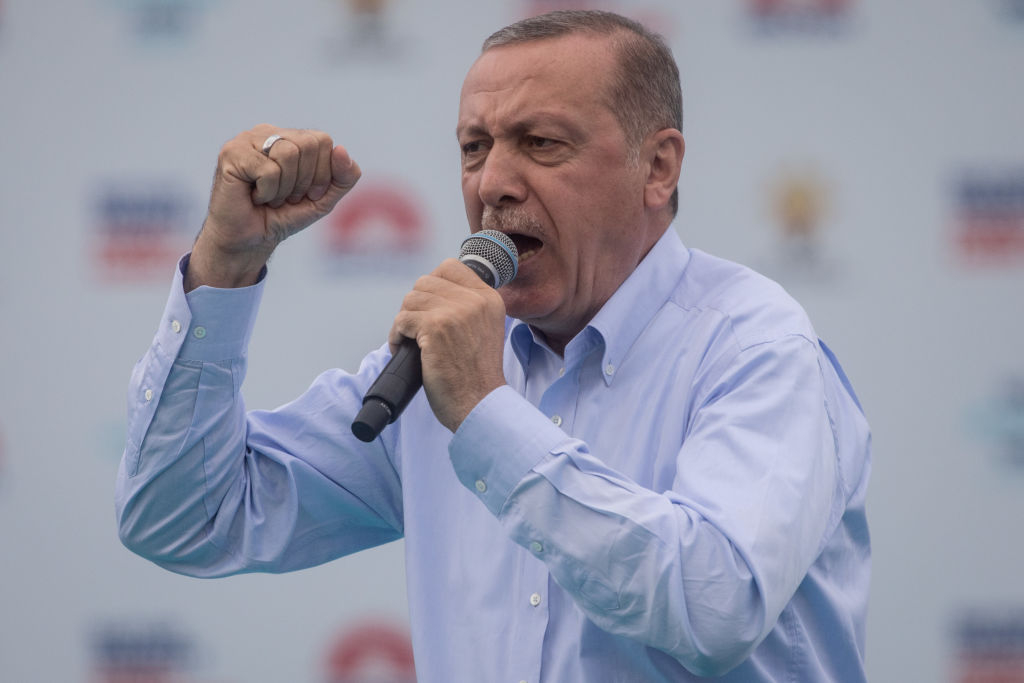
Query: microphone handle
{"x": 391, "y": 392}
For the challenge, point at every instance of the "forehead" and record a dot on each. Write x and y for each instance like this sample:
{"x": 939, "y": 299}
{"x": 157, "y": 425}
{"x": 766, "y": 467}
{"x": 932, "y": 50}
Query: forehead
{"x": 571, "y": 72}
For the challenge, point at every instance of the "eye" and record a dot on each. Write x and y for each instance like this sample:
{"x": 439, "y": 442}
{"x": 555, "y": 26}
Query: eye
{"x": 471, "y": 148}
{"x": 537, "y": 142}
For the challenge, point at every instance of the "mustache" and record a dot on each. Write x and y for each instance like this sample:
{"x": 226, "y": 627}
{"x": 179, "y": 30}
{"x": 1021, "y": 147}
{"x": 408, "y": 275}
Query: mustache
{"x": 511, "y": 219}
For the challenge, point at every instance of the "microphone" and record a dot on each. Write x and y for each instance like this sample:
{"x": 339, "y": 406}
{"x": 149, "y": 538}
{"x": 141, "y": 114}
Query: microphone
{"x": 490, "y": 254}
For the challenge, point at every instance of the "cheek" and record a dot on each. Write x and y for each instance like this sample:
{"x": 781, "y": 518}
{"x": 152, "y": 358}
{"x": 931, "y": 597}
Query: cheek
{"x": 471, "y": 200}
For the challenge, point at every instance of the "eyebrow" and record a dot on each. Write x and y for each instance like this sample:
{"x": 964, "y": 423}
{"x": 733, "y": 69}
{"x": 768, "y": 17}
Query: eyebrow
{"x": 525, "y": 125}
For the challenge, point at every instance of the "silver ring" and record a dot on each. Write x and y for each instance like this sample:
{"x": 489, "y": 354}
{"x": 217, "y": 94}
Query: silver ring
{"x": 268, "y": 143}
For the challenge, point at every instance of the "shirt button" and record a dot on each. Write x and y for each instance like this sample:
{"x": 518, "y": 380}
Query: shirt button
{"x": 535, "y": 599}
{"x": 149, "y": 394}
{"x": 557, "y": 419}
{"x": 609, "y": 369}
{"x": 561, "y": 372}
{"x": 176, "y": 326}
{"x": 481, "y": 485}
{"x": 536, "y": 546}
{"x": 199, "y": 332}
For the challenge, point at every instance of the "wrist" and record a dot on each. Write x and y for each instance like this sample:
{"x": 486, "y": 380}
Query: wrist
{"x": 216, "y": 267}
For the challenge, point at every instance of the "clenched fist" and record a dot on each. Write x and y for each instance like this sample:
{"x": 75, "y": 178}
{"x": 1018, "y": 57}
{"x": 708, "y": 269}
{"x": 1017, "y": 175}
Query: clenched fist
{"x": 258, "y": 200}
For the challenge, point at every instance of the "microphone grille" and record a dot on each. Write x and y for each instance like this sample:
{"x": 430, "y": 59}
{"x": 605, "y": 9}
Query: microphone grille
{"x": 496, "y": 248}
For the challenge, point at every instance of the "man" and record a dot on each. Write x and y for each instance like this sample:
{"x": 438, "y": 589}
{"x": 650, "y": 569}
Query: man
{"x": 654, "y": 470}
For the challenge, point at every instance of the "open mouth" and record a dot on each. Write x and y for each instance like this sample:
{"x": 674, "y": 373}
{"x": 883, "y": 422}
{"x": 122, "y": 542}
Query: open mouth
{"x": 526, "y": 245}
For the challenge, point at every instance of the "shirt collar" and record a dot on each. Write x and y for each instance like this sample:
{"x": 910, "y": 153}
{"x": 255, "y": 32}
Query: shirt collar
{"x": 626, "y": 314}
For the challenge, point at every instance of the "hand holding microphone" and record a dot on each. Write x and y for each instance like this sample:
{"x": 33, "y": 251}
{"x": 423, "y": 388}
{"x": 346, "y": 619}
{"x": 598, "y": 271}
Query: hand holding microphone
{"x": 448, "y": 337}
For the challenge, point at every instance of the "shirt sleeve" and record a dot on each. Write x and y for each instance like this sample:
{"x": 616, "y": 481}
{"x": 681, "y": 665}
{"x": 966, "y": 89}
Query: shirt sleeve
{"x": 701, "y": 571}
{"x": 206, "y": 489}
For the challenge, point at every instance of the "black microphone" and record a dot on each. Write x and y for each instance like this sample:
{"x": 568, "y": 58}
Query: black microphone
{"x": 490, "y": 254}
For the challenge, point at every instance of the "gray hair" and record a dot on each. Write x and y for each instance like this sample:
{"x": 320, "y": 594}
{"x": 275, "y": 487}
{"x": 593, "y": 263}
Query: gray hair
{"x": 645, "y": 95}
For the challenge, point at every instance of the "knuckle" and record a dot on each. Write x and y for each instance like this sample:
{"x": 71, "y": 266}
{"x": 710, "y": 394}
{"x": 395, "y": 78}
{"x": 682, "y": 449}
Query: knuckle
{"x": 230, "y": 149}
{"x": 308, "y": 139}
{"x": 289, "y": 151}
{"x": 321, "y": 138}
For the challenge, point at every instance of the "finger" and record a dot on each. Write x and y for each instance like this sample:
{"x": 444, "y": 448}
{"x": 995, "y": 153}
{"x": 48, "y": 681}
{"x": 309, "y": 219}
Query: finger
{"x": 241, "y": 161}
{"x": 285, "y": 154}
{"x": 450, "y": 276}
{"x": 345, "y": 172}
{"x": 404, "y": 327}
{"x": 309, "y": 148}
{"x": 322, "y": 173}
{"x": 267, "y": 182}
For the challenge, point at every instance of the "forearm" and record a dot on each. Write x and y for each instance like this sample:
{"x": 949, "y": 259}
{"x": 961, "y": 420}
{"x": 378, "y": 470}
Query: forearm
{"x": 166, "y": 506}
{"x": 640, "y": 564}
{"x": 186, "y": 437}
{"x": 701, "y": 570}
{"x": 207, "y": 489}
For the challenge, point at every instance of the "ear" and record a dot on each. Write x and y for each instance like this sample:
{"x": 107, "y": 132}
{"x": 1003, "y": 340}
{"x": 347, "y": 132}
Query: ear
{"x": 665, "y": 157}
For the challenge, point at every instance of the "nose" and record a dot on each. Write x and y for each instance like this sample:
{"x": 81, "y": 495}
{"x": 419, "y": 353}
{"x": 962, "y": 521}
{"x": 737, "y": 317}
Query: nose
{"x": 501, "y": 177}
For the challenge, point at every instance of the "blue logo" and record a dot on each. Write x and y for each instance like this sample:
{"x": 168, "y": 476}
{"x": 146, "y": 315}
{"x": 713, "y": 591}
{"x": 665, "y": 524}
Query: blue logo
{"x": 142, "y": 653}
{"x": 990, "y": 646}
{"x": 989, "y": 217}
{"x": 141, "y": 230}
{"x": 789, "y": 17}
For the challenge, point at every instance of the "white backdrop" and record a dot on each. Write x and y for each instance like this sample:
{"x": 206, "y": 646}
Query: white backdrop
{"x": 867, "y": 154}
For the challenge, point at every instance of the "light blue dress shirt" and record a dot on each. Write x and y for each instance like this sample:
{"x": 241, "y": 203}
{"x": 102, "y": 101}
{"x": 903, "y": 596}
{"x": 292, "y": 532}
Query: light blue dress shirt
{"x": 681, "y": 495}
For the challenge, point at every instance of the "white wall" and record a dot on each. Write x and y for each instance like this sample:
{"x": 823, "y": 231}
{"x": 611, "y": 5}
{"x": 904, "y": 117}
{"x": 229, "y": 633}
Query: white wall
{"x": 897, "y": 126}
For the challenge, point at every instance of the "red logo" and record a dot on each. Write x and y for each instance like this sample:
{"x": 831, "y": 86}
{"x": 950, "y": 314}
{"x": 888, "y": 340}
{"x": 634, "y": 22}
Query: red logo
{"x": 372, "y": 652}
{"x": 379, "y": 219}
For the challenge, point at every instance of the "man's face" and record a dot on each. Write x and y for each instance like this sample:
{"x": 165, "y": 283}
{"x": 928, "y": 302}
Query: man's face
{"x": 545, "y": 160}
